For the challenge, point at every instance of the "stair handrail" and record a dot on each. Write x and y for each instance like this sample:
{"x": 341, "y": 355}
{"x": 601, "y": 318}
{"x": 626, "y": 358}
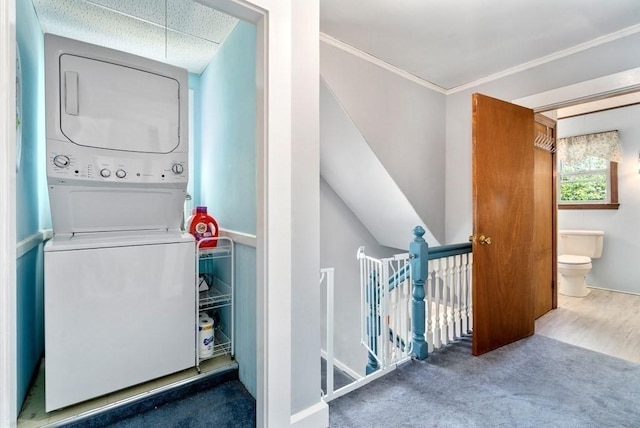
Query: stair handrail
{"x": 450, "y": 264}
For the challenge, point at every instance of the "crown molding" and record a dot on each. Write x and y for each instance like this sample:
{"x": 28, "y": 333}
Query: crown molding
{"x": 325, "y": 38}
{"x": 549, "y": 58}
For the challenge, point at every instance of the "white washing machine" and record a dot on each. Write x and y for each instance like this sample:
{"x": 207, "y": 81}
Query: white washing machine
{"x": 119, "y": 272}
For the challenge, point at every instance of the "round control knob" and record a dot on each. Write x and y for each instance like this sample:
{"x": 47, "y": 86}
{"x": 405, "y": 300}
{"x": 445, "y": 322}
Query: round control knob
{"x": 105, "y": 173}
{"x": 177, "y": 168}
{"x": 121, "y": 173}
{"x": 61, "y": 161}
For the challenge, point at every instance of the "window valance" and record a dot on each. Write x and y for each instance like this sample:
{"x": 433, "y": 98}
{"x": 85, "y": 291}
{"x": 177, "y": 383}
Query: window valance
{"x": 604, "y": 145}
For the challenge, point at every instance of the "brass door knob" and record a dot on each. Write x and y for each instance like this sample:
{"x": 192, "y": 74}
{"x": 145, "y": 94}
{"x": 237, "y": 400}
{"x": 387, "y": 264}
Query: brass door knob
{"x": 472, "y": 238}
{"x": 485, "y": 240}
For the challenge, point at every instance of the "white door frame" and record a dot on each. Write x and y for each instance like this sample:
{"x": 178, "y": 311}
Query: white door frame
{"x": 8, "y": 299}
{"x": 590, "y": 90}
{"x": 273, "y": 71}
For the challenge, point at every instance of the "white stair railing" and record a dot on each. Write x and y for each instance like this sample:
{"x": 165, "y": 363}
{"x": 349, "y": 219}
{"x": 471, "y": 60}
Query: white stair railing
{"x": 386, "y": 298}
{"x": 448, "y": 299}
{"x": 330, "y": 393}
{"x": 328, "y": 274}
{"x": 385, "y": 312}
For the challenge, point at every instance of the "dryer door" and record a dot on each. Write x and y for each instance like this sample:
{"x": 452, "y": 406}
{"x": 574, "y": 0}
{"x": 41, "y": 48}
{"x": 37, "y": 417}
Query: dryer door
{"x": 109, "y": 106}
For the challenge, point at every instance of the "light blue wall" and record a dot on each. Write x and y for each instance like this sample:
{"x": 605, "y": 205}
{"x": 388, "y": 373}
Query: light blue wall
{"x": 194, "y": 84}
{"x": 616, "y": 269}
{"x": 225, "y": 162}
{"x": 29, "y": 189}
{"x": 30, "y": 44}
{"x": 245, "y": 294}
{"x": 227, "y": 156}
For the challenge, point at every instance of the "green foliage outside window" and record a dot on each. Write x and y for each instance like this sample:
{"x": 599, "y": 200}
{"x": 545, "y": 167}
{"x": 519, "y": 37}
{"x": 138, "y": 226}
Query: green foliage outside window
{"x": 584, "y": 181}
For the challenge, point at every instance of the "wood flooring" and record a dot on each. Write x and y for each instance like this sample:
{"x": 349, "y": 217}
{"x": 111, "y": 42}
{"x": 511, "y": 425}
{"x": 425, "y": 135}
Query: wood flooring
{"x": 604, "y": 321}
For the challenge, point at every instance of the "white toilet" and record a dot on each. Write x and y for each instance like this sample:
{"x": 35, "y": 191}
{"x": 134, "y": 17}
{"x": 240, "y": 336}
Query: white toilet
{"x": 576, "y": 248}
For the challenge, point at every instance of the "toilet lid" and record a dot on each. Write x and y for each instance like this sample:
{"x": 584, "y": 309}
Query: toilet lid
{"x": 574, "y": 260}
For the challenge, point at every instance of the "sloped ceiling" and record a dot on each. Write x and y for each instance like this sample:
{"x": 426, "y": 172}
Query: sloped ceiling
{"x": 178, "y": 32}
{"x": 453, "y": 43}
{"x": 353, "y": 171}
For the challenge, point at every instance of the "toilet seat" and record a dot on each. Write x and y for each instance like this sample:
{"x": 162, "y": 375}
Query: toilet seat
{"x": 569, "y": 259}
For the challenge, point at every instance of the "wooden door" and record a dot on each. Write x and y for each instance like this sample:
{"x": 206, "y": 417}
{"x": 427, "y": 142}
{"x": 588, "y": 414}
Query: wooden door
{"x": 503, "y": 165}
{"x": 544, "y": 218}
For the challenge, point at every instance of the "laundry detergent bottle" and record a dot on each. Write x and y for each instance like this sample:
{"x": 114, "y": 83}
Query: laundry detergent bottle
{"x": 202, "y": 225}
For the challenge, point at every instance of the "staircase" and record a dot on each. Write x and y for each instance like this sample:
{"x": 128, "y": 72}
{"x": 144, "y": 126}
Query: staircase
{"x": 411, "y": 304}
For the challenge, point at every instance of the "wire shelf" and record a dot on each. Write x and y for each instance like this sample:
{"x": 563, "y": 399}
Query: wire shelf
{"x": 210, "y": 262}
{"x": 214, "y": 252}
{"x": 219, "y": 294}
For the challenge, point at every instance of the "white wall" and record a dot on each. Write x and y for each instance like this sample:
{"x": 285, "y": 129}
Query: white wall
{"x": 617, "y": 268}
{"x": 596, "y": 62}
{"x": 404, "y": 124}
{"x": 305, "y": 206}
{"x": 356, "y": 174}
{"x": 342, "y": 233}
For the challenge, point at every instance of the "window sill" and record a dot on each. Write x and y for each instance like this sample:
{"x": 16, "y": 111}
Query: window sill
{"x": 588, "y": 206}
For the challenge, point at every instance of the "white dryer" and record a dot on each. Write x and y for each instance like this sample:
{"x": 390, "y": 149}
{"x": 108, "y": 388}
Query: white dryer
{"x": 119, "y": 272}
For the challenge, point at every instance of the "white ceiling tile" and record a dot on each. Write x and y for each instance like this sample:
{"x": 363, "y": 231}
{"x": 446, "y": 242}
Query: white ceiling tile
{"x": 199, "y": 20}
{"x": 150, "y": 10}
{"x": 193, "y": 35}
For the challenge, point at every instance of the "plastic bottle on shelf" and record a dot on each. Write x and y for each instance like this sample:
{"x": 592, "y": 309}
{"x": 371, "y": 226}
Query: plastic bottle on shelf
{"x": 206, "y": 335}
{"x": 202, "y": 225}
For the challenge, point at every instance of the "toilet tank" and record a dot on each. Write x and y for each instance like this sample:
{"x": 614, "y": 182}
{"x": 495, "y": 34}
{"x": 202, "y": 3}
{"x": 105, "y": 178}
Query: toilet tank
{"x": 581, "y": 242}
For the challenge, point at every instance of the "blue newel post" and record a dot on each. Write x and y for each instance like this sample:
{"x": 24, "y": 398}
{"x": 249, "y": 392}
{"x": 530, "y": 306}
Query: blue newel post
{"x": 419, "y": 250}
{"x": 373, "y": 322}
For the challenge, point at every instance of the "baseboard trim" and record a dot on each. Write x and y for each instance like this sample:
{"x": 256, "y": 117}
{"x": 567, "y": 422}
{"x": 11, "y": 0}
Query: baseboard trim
{"x": 342, "y": 366}
{"x": 633, "y": 293}
{"x": 312, "y": 417}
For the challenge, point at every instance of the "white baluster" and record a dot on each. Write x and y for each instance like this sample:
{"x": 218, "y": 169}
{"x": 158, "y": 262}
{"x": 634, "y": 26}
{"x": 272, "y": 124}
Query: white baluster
{"x": 470, "y": 292}
{"x": 458, "y": 304}
{"x": 445, "y": 300}
{"x": 452, "y": 302}
{"x": 384, "y": 313}
{"x": 437, "y": 330}
{"x": 406, "y": 319}
{"x": 429, "y": 307}
{"x": 464, "y": 293}
{"x": 467, "y": 293}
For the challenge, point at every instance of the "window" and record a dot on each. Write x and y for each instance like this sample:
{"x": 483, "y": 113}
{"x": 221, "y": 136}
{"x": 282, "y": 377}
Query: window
{"x": 589, "y": 183}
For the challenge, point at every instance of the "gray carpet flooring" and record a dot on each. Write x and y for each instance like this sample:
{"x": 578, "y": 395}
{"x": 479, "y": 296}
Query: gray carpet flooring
{"x": 536, "y": 382}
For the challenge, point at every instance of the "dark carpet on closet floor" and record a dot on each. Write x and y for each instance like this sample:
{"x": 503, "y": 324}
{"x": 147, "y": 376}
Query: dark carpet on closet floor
{"x": 226, "y": 405}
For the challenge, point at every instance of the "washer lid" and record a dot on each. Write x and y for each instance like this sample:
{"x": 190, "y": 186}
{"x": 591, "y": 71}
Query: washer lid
{"x": 90, "y": 241}
{"x": 574, "y": 260}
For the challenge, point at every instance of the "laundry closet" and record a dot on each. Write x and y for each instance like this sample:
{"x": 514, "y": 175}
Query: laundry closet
{"x": 125, "y": 147}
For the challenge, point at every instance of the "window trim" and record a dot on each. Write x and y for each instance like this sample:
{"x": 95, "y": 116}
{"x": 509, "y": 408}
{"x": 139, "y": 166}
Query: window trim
{"x": 613, "y": 203}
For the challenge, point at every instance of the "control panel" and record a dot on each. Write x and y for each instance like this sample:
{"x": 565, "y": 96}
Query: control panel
{"x": 149, "y": 169}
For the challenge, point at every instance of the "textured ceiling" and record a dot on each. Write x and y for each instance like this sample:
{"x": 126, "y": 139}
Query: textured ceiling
{"x": 452, "y": 43}
{"x": 178, "y": 32}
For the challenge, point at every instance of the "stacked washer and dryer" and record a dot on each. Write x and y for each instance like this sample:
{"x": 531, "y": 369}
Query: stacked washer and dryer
{"x": 119, "y": 272}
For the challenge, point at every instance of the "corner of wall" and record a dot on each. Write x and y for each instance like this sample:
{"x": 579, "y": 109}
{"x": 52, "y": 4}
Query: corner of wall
{"x": 313, "y": 416}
